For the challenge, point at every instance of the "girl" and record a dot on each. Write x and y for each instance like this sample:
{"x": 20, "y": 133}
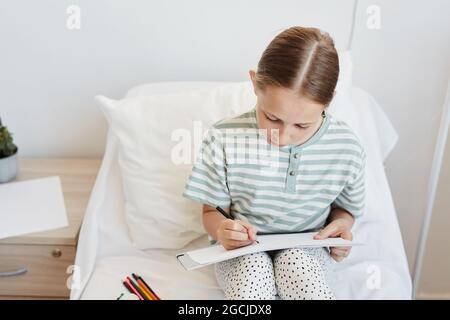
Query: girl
{"x": 285, "y": 166}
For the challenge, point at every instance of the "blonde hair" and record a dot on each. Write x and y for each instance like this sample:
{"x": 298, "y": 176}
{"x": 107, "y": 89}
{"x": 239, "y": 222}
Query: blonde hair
{"x": 303, "y": 59}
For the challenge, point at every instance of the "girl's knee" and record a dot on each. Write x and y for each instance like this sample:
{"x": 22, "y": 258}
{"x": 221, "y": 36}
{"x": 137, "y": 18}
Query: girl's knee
{"x": 299, "y": 275}
{"x": 253, "y": 291}
{"x": 247, "y": 277}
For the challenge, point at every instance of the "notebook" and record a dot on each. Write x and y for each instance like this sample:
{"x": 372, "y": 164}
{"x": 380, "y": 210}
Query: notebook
{"x": 202, "y": 257}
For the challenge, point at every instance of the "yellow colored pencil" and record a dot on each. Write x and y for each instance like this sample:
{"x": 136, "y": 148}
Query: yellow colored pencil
{"x": 144, "y": 289}
{"x": 145, "y": 292}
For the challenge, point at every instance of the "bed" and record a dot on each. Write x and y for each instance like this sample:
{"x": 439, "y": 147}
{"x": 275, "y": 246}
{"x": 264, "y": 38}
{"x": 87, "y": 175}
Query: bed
{"x": 377, "y": 270}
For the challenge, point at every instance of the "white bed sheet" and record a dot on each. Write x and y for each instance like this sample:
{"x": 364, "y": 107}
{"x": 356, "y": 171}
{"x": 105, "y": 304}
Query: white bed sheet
{"x": 378, "y": 270}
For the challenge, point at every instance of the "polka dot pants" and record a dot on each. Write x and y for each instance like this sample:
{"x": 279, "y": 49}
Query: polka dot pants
{"x": 290, "y": 274}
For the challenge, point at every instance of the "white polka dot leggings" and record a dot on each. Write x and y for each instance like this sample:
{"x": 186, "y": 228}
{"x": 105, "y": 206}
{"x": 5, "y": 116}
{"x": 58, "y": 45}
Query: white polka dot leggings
{"x": 292, "y": 274}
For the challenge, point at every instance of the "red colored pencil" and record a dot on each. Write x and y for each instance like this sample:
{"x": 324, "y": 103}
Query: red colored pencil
{"x": 127, "y": 284}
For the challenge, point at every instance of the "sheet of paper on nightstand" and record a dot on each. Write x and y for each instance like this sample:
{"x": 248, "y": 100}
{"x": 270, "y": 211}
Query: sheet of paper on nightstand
{"x": 31, "y": 206}
{"x": 205, "y": 256}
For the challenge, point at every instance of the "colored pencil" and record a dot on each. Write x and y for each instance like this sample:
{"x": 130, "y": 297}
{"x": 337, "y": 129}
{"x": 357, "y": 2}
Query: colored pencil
{"x": 144, "y": 286}
{"x": 131, "y": 289}
{"x": 147, "y": 286}
{"x": 146, "y": 291}
{"x": 137, "y": 288}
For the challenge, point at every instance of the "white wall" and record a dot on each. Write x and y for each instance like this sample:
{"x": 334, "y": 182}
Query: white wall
{"x": 406, "y": 66}
{"x": 49, "y": 75}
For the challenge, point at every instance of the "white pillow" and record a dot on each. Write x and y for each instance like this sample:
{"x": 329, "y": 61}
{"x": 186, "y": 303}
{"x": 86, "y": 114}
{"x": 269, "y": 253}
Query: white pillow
{"x": 361, "y": 112}
{"x": 147, "y": 128}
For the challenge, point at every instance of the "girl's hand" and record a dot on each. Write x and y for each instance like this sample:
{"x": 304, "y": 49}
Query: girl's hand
{"x": 337, "y": 228}
{"x": 233, "y": 234}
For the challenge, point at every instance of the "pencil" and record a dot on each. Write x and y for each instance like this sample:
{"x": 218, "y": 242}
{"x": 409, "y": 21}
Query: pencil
{"x": 135, "y": 286}
{"x": 225, "y": 214}
{"x": 147, "y": 286}
{"x": 131, "y": 289}
{"x": 125, "y": 284}
{"x": 146, "y": 291}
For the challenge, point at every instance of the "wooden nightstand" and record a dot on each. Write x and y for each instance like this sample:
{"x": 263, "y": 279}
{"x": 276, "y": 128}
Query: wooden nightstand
{"x": 47, "y": 255}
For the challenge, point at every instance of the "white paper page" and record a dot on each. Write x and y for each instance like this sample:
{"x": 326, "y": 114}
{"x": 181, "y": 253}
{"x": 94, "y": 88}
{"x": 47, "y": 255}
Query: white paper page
{"x": 218, "y": 253}
{"x": 31, "y": 206}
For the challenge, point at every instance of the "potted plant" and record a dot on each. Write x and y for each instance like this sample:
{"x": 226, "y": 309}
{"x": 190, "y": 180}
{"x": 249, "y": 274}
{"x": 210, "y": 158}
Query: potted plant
{"x": 8, "y": 155}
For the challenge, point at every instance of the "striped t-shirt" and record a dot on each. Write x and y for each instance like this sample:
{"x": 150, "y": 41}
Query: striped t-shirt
{"x": 279, "y": 189}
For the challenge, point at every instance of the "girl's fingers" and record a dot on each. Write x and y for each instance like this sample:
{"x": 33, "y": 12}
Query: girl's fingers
{"x": 337, "y": 258}
{"x": 247, "y": 225}
{"x": 236, "y": 226}
{"x": 340, "y": 253}
{"x": 238, "y": 243}
{"x": 249, "y": 228}
{"x": 235, "y": 235}
{"x": 341, "y": 248}
{"x": 329, "y": 231}
{"x": 251, "y": 234}
{"x": 347, "y": 235}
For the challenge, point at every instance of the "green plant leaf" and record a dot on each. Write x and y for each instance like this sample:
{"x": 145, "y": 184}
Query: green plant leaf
{"x": 7, "y": 146}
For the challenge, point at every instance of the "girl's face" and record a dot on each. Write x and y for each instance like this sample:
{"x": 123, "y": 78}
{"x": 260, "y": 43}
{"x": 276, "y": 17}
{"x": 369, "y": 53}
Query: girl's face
{"x": 286, "y": 117}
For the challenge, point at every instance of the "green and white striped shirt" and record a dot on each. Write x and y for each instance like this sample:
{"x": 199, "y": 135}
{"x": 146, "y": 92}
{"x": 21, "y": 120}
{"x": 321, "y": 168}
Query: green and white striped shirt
{"x": 279, "y": 189}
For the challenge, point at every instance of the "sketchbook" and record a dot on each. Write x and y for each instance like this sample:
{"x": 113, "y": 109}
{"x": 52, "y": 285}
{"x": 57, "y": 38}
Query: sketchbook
{"x": 205, "y": 256}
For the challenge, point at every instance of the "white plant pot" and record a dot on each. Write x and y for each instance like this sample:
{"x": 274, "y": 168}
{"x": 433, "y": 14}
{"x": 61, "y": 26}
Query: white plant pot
{"x": 8, "y": 168}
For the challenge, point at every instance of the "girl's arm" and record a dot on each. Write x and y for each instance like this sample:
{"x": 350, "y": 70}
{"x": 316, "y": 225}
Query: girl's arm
{"x": 212, "y": 219}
